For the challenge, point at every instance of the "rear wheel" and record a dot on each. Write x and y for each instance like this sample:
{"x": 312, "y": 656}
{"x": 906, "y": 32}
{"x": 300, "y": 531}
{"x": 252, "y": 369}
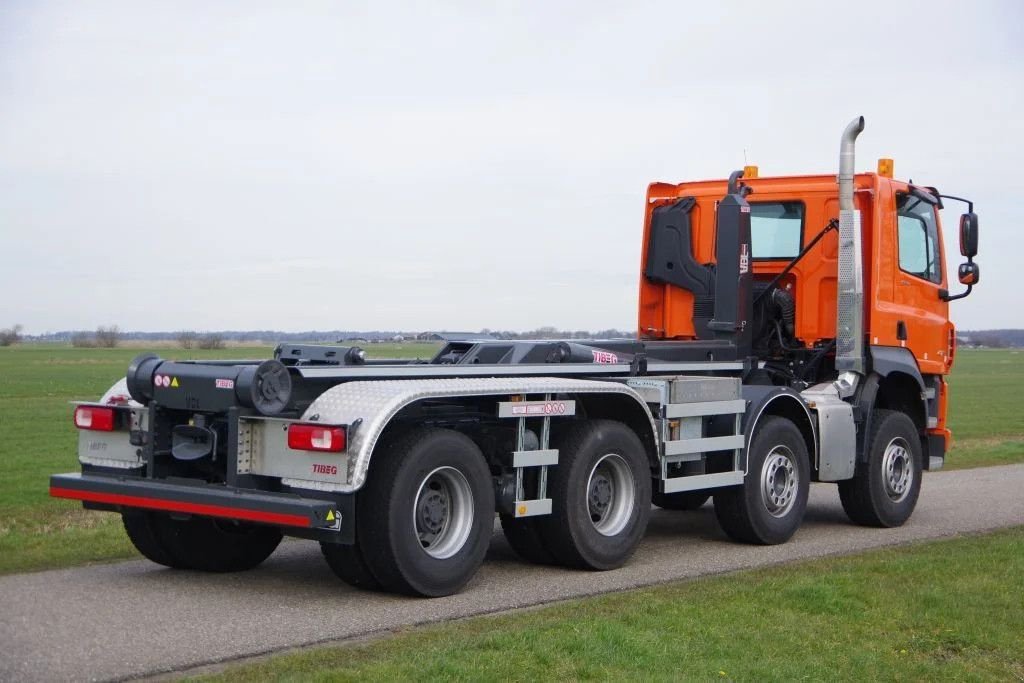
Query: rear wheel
{"x": 524, "y": 536}
{"x": 770, "y": 504}
{"x": 601, "y": 494}
{"x": 885, "y": 489}
{"x": 142, "y": 532}
{"x": 426, "y": 514}
{"x": 347, "y": 563}
{"x": 200, "y": 543}
{"x": 687, "y": 500}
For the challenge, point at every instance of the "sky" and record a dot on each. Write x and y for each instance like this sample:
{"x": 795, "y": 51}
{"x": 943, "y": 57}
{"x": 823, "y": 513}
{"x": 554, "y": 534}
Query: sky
{"x": 325, "y": 165}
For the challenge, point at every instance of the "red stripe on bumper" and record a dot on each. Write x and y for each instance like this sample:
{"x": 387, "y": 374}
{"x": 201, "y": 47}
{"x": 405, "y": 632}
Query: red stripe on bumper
{"x": 178, "y": 506}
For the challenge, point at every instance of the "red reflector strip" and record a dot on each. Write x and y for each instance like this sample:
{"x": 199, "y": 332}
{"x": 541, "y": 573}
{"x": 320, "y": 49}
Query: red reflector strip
{"x": 307, "y": 437}
{"x": 94, "y": 418}
{"x": 249, "y": 515}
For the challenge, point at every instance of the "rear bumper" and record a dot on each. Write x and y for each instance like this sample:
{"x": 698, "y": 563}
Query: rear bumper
{"x": 207, "y": 500}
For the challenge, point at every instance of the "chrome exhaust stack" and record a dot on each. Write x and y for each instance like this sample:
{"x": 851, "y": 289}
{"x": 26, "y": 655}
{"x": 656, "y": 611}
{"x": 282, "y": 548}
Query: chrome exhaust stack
{"x": 850, "y": 290}
{"x": 846, "y": 163}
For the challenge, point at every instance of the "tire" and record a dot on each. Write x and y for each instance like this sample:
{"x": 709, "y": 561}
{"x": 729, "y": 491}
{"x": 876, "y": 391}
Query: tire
{"x": 885, "y": 489}
{"x": 200, "y": 543}
{"x": 347, "y": 563}
{"x": 525, "y": 538}
{"x": 601, "y": 492}
{"x": 425, "y": 516}
{"x": 687, "y": 500}
{"x": 142, "y": 532}
{"x": 768, "y": 507}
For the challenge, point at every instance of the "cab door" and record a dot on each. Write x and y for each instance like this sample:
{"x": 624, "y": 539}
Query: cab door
{"x": 921, "y": 316}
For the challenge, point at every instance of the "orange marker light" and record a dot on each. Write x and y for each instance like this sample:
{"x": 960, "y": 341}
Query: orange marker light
{"x": 749, "y": 172}
{"x": 885, "y": 168}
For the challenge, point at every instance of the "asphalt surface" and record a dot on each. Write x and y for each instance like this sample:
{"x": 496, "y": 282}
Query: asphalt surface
{"x": 135, "y": 618}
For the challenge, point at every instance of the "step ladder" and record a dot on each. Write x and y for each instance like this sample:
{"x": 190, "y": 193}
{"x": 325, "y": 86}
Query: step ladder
{"x": 543, "y": 457}
{"x": 681, "y": 406}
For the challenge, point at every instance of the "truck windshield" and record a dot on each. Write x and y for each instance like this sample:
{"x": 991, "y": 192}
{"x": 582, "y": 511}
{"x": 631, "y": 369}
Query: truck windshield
{"x": 918, "y": 238}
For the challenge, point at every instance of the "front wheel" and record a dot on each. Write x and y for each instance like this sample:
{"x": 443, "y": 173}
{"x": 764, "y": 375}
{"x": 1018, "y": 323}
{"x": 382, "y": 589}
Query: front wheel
{"x": 601, "y": 495}
{"x": 885, "y": 489}
{"x": 768, "y": 507}
{"x": 425, "y": 517}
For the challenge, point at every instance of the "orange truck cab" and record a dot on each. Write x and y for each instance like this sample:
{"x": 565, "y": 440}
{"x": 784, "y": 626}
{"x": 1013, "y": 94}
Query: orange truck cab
{"x": 901, "y": 342}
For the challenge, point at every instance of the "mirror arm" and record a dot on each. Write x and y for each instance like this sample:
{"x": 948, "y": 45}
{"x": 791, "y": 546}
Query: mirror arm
{"x": 946, "y": 296}
{"x": 968, "y": 202}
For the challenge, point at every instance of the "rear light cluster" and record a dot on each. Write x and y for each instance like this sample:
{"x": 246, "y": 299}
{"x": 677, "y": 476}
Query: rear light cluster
{"x": 310, "y": 437}
{"x": 95, "y": 418}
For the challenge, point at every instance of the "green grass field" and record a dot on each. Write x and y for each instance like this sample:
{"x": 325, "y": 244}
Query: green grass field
{"x": 946, "y": 610}
{"x": 38, "y": 439}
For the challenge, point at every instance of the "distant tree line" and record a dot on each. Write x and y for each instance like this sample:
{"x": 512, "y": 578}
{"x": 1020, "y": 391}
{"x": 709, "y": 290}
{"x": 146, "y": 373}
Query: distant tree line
{"x": 993, "y": 339}
{"x": 105, "y": 337}
{"x": 110, "y": 336}
{"x": 188, "y": 339}
{"x": 10, "y": 335}
{"x": 548, "y": 332}
{"x": 217, "y": 339}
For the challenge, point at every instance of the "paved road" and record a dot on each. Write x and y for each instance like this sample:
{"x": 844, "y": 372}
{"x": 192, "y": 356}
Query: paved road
{"x": 135, "y": 618}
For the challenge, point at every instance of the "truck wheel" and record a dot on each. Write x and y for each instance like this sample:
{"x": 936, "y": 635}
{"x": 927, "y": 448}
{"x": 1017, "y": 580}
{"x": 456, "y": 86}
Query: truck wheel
{"x": 142, "y": 532}
{"x": 525, "y": 538}
{"x": 601, "y": 494}
{"x": 426, "y": 514}
{"x": 686, "y": 500}
{"x": 769, "y": 506}
{"x": 347, "y": 563}
{"x": 885, "y": 489}
{"x": 200, "y": 543}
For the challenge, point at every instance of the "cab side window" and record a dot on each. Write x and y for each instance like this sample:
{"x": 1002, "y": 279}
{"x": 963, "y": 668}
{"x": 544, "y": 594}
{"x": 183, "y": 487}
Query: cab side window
{"x": 776, "y": 230}
{"x": 918, "y": 239}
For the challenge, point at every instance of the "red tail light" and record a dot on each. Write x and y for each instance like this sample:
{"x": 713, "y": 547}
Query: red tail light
{"x": 307, "y": 437}
{"x": 94, "y": 418}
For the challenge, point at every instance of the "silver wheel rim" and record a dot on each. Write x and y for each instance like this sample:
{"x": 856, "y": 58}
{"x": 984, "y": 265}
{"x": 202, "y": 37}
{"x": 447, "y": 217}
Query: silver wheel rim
{"x": 611, "y": 494}
{"x": 442, "y": 516}
{"x": 897, "y": 470}
{"x": 779, "y": 481}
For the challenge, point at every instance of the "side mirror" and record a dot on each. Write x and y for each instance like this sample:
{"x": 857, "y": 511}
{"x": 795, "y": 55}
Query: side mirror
{"x": 969, "y": 235}
{"x": 969, "y": 273}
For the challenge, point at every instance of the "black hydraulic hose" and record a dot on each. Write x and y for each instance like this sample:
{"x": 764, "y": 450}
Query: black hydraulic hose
{"x": 782, "y": 343}
{"x": 832, "y": 225}
{"x": 816, "y": 358}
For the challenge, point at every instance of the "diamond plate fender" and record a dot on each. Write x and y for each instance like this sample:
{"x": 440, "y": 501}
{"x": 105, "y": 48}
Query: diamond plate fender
{"x": 376, "y": 403}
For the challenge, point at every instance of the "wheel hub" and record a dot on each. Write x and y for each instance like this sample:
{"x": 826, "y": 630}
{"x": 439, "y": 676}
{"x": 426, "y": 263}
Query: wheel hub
{"x": 433, "y": 511}
{"x": 442, "y": 514}
{"x": 610, "y": 494}
{"x": 600, "y": 494}
{"x": 779, "y": 481}
{"x": 897, "y": 470}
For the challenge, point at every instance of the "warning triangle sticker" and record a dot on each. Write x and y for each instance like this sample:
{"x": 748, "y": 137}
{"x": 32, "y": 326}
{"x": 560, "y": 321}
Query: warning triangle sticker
{"x": 174, "y": 382}
{"x": 330, "y": 515}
